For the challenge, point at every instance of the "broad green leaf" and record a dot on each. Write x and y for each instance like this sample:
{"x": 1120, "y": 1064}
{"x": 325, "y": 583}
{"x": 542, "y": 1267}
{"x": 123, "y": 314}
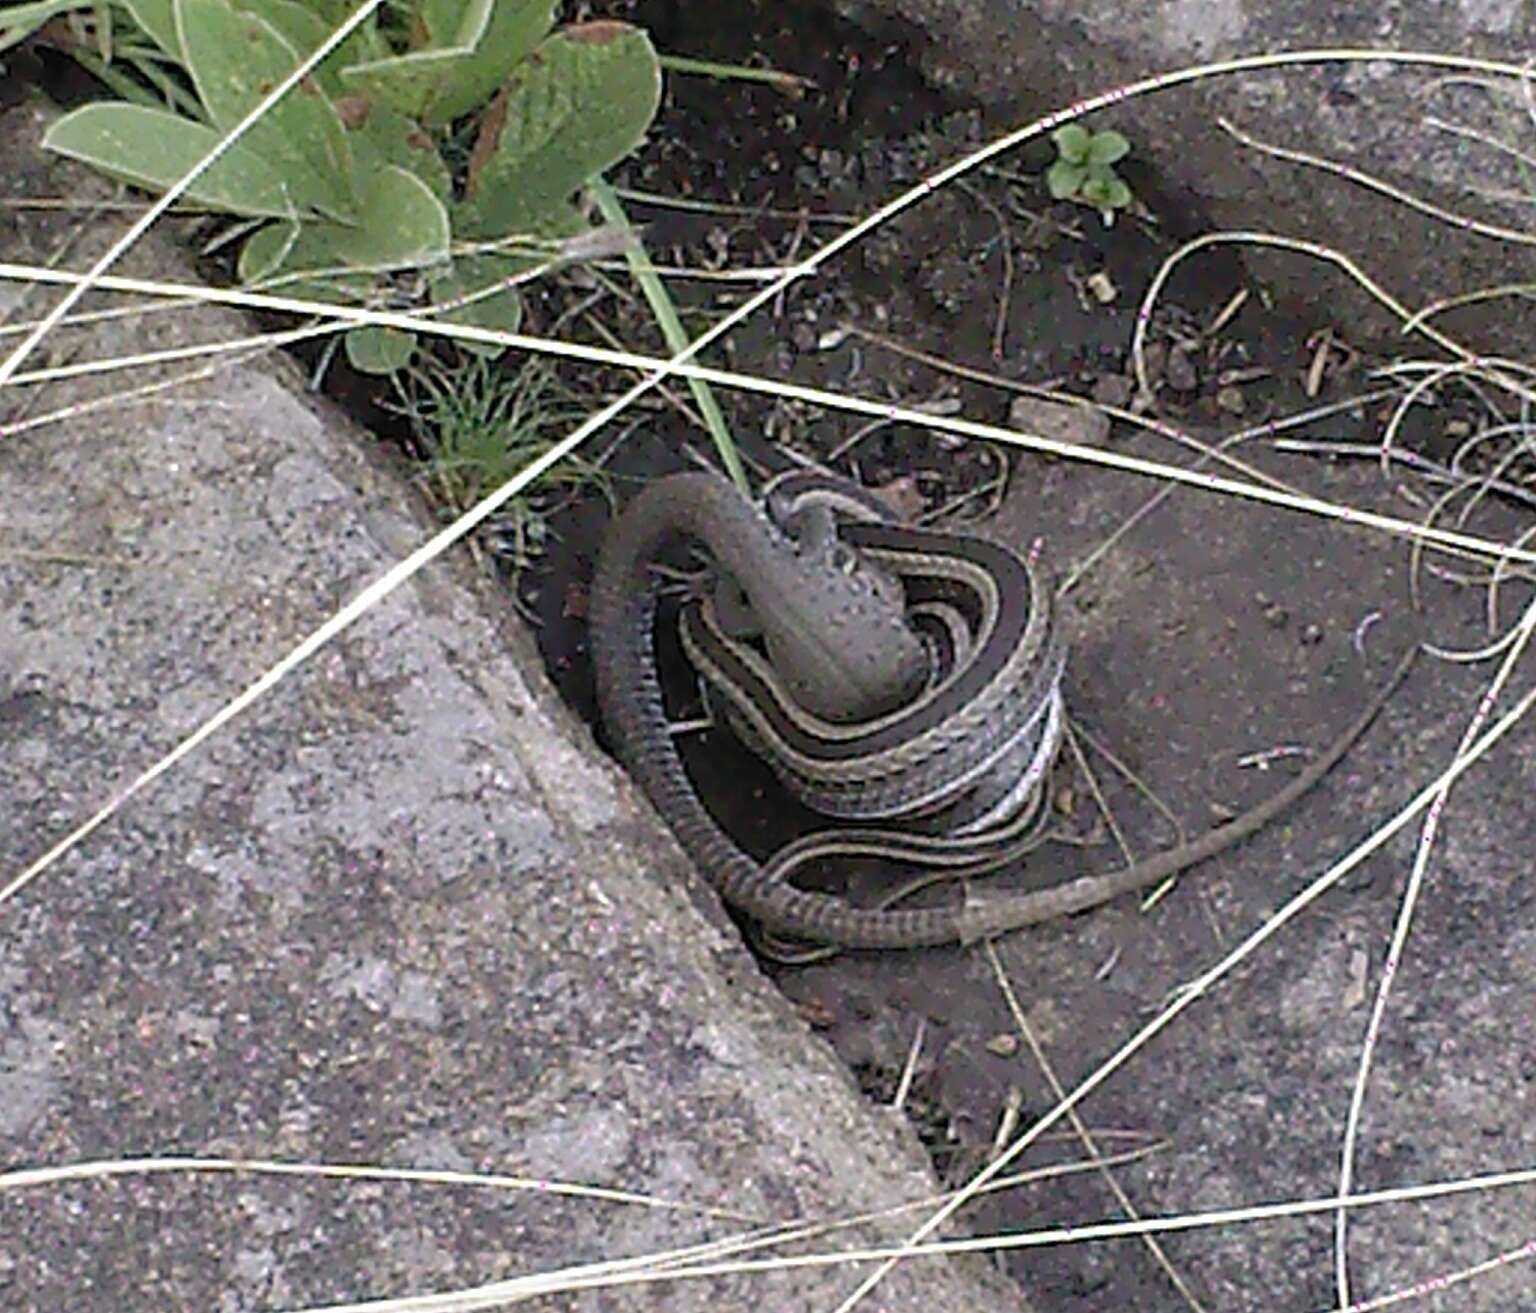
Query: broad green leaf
{"x": 365, "y": 41}
{"x": 406, "y": 83}
{"x": 323, "y": 290}
{"x": 515, "y": 28}
{"x": 156, "y": 18}
{"x": 375, "y": 350}
{"x": 409, "y": 83}
{"x": 1094, "y": 192}
{"x": 300, "y": 28}
{"x": 1072, "y": 141}
{"x": 17, "y": 22}
{"x": 385, "y": 136}
{"x": 455, "y": 24}
{"x": 301, "y": 260}
{"x": 305, "y": 30}
{"x": 324, "y": 287}
{"x": 265, "y": 250}
{"x": 1065, "y": 178}
{"x": 467, "y": 50}
{"x": 235, "y": 59}
{"x": 154, "y": 148}
{"x": 1107, "y": 147}
{"x": 336, "y": 12}
{"x": 580, "y": 102}
{"x": 502, "y": 310}
{"x": 1106, "y": 193}
{"x": 542, "y": 239}
{"x": 401, "y": 224}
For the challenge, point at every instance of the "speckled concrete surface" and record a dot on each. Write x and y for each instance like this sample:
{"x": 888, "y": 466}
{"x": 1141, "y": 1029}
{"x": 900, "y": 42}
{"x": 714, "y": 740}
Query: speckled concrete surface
{"x": 399, "y": 913}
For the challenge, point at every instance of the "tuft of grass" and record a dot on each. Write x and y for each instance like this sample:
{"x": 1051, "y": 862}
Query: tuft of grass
{"x": 475, "y": 424}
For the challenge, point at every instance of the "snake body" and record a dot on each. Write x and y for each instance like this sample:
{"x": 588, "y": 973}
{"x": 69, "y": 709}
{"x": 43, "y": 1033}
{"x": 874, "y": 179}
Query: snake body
{"x": 831, "y": 611}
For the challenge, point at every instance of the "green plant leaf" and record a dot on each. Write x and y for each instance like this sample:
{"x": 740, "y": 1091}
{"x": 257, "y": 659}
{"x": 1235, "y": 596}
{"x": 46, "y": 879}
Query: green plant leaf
{"x": 235, "y": 59}
{"x": 405, "y": 83}
{"x": 279, "y": 261}
{"x": 402, "y": 224}
{"x": 17, "y": 22}
{"x": 1116, "y": 194}
{"x": 364, "y": 42}
{"x": 265, "y": 250}
{"x": 280, "y": 255}
{"x": 381, "y": 136}
{"x": 1095, "y": 192}
{"x": 336, "y": 12}
{"x": 1072, "y": 141}
{"x": 1104, "y": 191}
{"x": 515, "y": 28}
{"x": 1064, "y": 178}
{"x": 502, "y": 311}
{"x": 153, "y": 148}
{"x": 581, "y": 101}
{"x": 156, "y": 18}
{"x": 444, "y": 37}
{"x": 305, "y": 30}
{"x": 372, "y": 349}
{"x": 1107, "y": 147}
{"x": 468, "y": 49}
{"x": 297, "y": 24}
{"x": 454, "y": 24}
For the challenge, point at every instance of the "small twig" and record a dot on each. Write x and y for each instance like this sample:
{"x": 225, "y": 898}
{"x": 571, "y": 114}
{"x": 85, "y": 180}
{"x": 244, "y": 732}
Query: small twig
{"x": 909, "y": 1068}
{"x": 1005, "y": 242}
{"x": 1008, "y": 1120}
{"x": 10, "y": 554}
{"x": 1089, "y": 1143}
{"x": 1373, "y": 183}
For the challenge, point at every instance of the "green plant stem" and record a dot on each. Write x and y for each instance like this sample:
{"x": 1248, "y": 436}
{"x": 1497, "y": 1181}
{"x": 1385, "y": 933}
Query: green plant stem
{"x": 792, "y": 84}
{"x": 142, "y": 63}
{"x": 176, "y": 96}
{"x": 121, "y": 83}
{"x": 672, "y": 329}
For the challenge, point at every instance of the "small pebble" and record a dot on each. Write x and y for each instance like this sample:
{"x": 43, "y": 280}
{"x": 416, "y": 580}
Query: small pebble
{"x": 1181, "y": 371}
{"x": 1078, "y": 423}
{"x": 1113, "y": 390}
{"x": 1103, "y": 288}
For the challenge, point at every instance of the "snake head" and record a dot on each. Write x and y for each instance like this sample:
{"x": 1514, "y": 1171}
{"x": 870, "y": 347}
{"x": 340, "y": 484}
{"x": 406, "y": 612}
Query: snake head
{"x": 838, "y": 638}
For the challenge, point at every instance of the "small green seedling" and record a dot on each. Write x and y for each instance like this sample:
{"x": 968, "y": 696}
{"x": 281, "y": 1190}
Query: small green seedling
{"x": 1084, "y": 170}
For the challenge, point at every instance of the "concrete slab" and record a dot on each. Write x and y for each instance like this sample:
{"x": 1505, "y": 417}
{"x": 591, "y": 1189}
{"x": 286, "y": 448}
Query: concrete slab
{"x": 1444, "y": 136}
{"x": 401, "y": 913}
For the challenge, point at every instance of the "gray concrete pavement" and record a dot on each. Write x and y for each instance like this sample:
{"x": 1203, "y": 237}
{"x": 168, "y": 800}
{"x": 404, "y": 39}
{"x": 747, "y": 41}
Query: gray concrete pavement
{"x": 400, "y": 913}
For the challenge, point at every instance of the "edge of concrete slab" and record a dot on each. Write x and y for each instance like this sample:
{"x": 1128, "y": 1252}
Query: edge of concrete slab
{"x": 401, "y": 912}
